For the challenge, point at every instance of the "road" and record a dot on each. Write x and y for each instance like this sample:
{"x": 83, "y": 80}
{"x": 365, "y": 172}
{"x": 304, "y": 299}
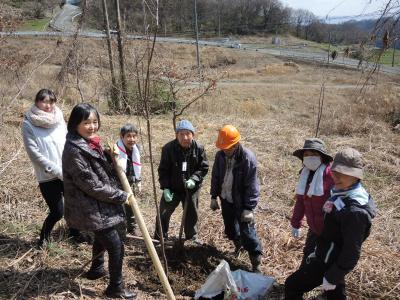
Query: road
{"x": 64, "y": 20}
{"x": 316, "y": 57}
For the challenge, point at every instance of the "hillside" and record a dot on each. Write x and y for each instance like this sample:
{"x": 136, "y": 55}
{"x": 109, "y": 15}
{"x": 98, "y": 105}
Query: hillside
{"x": 274, "y": 105}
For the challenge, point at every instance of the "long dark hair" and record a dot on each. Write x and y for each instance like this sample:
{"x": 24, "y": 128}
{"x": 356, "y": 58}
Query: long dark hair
{"x": 43, "y": 93}
{"x": 79, "y": 113}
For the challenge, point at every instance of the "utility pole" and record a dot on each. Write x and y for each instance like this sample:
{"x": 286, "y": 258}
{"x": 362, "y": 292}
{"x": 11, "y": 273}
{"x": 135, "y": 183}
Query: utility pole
{"x": 394, "y": 50}
{"x": 197, "y": 36}
{"x": 329, "y": 47}
{"x": 219, "y": 18}
{"x": 144, "y": 17}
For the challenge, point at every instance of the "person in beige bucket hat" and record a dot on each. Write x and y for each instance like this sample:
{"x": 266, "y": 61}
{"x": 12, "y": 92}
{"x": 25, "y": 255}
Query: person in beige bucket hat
{"x": 348, "y": 218}
{"x": 349, "y": 162}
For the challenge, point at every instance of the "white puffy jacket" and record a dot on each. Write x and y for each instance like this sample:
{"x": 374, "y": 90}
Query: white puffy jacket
{"x": 44, "y": 147}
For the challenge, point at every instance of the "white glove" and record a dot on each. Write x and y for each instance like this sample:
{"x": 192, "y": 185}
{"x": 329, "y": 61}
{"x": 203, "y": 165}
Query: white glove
{"x": 139, "y": 186}
{"x": 214, "y": 204}
{"x": 247, "y": 216}
{"x": 328, "y": 286}
{"x": 296, "y": 232}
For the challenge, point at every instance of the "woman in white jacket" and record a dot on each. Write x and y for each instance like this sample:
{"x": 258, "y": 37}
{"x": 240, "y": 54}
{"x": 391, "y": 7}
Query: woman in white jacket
{"x": 44, "y": 131}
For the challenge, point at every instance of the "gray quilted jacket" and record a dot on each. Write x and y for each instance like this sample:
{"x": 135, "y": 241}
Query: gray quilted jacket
{"x": 91, "y": 190}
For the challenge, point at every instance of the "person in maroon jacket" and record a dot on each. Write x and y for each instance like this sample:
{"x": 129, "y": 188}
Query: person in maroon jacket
{"x": 312, "y": 190}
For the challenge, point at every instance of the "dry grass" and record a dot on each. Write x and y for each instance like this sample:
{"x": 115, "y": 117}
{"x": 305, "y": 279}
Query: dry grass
{"x": 274, "y": 111}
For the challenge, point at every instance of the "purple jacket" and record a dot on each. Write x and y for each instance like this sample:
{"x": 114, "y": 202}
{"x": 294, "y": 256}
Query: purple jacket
{"x": 245, "y": 187}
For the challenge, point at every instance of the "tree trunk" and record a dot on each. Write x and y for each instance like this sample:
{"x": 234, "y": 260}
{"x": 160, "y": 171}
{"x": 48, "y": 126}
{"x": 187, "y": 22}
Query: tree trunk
{"x": 114, "y": 102}
{"x": 124, "y": 86}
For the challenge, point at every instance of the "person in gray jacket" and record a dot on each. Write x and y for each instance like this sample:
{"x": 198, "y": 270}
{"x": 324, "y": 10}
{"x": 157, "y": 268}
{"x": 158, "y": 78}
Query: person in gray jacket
{"x": 43, "y": 131}
{"x": 93, "y": 197}
{"x": 234, "y": 180}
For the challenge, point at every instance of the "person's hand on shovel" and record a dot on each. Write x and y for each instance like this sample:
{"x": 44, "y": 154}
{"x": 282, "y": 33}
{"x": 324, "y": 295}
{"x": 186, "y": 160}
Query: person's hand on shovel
{"x": 168, "y": 196}
{"x": 190, "y": 184}
{"x": 127, "y": 198}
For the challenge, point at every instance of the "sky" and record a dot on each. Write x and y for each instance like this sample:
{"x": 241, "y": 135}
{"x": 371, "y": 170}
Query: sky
{"x": 336, "y": 8}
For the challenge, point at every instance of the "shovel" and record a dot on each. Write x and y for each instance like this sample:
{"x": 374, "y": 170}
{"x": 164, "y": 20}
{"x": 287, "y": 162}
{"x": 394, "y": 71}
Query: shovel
{"x": 142, "y": 225}
{"x": 181, "y": 242}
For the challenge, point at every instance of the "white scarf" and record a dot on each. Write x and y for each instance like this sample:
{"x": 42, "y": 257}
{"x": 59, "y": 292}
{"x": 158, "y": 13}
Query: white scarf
{"x": 317, "y": 184}
{"x": 41, "y": 118}
{"x": 123, "y": 157}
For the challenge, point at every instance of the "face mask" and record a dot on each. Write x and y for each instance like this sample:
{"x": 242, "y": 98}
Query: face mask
{"x": 312, "y": 162}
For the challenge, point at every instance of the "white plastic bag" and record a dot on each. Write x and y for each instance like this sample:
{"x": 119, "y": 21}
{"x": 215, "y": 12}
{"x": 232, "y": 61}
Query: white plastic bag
{"x": 236, "y": 285}
{"x": 252, "y": 286}
{"x": 218, "y": 281}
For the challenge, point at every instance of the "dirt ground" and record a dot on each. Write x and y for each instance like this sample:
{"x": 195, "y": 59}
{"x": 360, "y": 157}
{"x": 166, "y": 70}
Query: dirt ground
{"x": 274, "y": 105}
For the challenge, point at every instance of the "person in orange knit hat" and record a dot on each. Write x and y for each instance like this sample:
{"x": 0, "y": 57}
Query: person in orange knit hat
{"x": 234, "y": 180}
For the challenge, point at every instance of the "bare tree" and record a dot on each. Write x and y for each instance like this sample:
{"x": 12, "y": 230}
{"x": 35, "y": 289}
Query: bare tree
{"x": 184, "y": 88}
{"x": 114, "y": 103}
{"x": 124, "y": 85}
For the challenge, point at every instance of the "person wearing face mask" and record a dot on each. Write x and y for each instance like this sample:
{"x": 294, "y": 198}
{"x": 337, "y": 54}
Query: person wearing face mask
{"x": 182, "y": 168}
{"x": 234, "y": 180}
{"x": 313, "y": 189}
{"x": 348, "y": 215}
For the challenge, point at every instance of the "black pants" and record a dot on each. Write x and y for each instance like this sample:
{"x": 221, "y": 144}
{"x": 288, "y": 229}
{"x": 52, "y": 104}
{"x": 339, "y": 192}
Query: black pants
{"x": 308, "y": 277}
{"x": 309, "y": 247}
{"x": 109, "y": 240}
{"x": 167, "y": 209}
{"x": 52, "y": 192}
{"x": 238, "y": 231}
{"x": 130, "y": 218}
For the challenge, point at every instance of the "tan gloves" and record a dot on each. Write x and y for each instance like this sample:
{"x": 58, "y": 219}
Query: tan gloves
{"x": 247, "y": 216}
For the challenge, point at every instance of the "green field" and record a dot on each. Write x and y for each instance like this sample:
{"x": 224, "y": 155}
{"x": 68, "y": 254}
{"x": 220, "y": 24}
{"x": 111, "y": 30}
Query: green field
{"x": 35, "y": 24}
{"x": 387, "y": 57}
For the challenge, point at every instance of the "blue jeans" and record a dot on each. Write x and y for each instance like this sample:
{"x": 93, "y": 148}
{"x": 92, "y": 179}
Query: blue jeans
{"x": 237, "y": 231}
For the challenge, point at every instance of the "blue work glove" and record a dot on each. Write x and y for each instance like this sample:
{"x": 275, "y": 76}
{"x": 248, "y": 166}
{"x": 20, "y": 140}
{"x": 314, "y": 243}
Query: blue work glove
{"x": 296, "y": 232}
{"x": 190, "y": 184}
{"x": 168, "y": 196}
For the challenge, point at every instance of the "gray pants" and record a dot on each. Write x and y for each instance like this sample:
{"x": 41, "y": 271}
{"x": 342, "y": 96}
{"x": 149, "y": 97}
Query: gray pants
{"x": 167, "y": 209}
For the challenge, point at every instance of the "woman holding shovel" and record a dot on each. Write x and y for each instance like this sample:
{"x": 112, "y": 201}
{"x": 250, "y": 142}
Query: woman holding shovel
{"x": 93, "y": 198}
{"x": 43, "y": 131}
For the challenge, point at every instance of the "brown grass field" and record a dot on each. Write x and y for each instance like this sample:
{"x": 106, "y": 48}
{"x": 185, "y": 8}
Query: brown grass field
{"x": 273, "y": 104}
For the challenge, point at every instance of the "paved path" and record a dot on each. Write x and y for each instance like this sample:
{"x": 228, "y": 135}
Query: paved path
{"x": 316, "y": 57}
{"x": 64, "y": 20}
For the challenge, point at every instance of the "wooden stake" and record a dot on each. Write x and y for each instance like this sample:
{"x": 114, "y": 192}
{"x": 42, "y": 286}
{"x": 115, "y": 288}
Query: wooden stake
{"x": 139, "y": 219}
